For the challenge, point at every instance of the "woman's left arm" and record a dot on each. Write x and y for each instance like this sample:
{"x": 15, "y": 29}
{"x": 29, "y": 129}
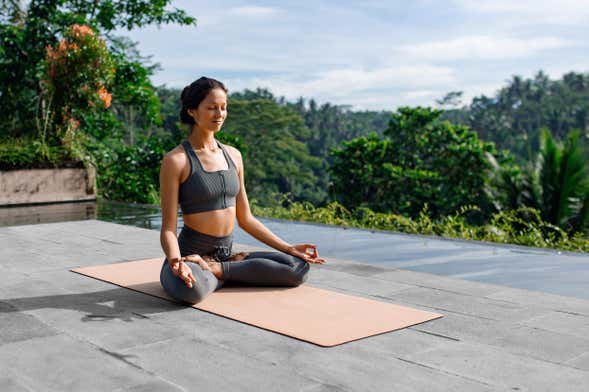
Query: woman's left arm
{"x": 256, "y": 229}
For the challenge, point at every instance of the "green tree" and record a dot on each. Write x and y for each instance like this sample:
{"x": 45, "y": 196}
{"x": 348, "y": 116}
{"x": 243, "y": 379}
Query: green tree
{"x": 420, "y": 160}
{"x": 514, "y": 116}
{"x": 559, "y": 184}
{"x": 276, "y": 160}
{"x": 77, "y": 73}
{"x": 25, "y": 34}
{"x": 555, "y": 183}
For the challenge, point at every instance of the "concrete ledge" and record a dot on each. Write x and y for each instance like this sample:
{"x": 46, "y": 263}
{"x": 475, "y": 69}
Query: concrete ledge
{"x": 46, "y": 186}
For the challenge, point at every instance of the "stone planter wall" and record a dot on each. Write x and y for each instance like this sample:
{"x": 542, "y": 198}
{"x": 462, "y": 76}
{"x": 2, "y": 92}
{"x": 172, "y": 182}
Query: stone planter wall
{"x": 46, "y": 186}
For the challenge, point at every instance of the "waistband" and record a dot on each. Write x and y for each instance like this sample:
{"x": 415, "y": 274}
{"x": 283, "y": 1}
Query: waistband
{"x": 192, "y": 241}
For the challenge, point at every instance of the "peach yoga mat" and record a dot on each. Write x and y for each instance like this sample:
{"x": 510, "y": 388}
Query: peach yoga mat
{"x": 323, "y": 317}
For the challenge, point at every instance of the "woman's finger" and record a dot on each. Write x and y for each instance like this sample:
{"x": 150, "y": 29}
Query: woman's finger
{"x": 189, "y": 278}
{"x": 309, "y": 259}
{"x": 316, "y": 260}
{"x": 312, "y": 248}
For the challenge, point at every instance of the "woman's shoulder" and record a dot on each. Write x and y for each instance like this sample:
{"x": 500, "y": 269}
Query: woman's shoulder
{"x": 175, "y": 158}
{"x": 233, "y": 151}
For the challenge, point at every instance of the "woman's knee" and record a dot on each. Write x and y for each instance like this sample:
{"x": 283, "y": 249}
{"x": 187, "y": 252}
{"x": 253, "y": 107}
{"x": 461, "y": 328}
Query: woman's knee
{"x": 177, "y": 288}
{"x": 195, "y": 294}
{"x": 300, "y": 271}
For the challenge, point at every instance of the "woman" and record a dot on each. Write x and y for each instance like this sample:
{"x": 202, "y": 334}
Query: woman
{"x": 206, "y": 179}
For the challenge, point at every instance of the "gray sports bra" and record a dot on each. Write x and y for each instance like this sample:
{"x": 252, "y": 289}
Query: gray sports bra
{"x": 207, "y": 191}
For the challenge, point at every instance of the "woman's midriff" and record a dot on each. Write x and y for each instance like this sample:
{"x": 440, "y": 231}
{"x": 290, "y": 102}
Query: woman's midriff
{"x": 217, "y": 223}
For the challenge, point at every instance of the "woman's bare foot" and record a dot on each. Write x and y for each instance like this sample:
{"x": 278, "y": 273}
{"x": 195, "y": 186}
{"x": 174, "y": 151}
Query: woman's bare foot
{"x": 239, "y": 256}
{"x": 214, "y": 265}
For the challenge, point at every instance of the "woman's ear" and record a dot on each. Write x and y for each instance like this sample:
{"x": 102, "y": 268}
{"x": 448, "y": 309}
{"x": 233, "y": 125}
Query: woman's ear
{"x": 191, "y": 112}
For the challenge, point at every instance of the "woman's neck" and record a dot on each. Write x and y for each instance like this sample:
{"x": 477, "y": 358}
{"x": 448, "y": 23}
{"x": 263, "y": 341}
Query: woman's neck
{"x": 203, "y": 140}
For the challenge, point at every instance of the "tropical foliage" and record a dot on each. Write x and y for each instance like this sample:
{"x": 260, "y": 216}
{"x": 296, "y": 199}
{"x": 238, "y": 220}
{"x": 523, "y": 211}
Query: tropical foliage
{"x": 25, "y": 34}
{"x": 523, "y": 226}
{"x": 420, "y": 160}
{"x": 277, "y": 160}
{"x": 555, "y": 183}
{"x": 77, "y": 73}
{"x": 514, "y": 116}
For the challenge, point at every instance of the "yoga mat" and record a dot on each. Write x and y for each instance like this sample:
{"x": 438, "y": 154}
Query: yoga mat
{"x": 323, "y": 317}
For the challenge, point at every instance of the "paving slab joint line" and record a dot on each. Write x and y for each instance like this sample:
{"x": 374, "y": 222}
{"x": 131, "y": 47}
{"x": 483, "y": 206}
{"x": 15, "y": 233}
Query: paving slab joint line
{"x": 500, "y": 288}
{"x": 435, "y": 334}
{"x": 438, "y": 309}
{"x": 148, "y": 344}
{"x": 418, "y": 285}
{"x": 21, "y": 379}
{"x": 446, "y": 372}
{"x": 270, "y": 362}
{"x": 120, "y": 357}
{"x": 574, "y": 358}
{"x": 529, "y": 356}
{"x": 519, "y": 324}
{"x": 336, "y": 387}
{"x": 571, "y": 313}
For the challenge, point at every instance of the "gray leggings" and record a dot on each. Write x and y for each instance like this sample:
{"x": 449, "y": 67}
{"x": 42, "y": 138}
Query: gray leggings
{"x": 258, "y": 268}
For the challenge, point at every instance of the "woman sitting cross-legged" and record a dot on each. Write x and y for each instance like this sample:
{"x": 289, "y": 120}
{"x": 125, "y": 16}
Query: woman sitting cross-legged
{"x": 206, "y": 179}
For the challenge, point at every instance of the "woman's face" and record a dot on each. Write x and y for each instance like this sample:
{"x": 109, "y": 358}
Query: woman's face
{"x": 212, "y": 111}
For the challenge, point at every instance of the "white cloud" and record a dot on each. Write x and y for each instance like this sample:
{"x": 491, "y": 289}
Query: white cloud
{"x": 422, "y": 94}
{"x": 566, "y": 12}
{"x": 253, "y": 11}
{"x": 374, "y": 89}
{"x": 376, "y": 57}
{"x": 483, "y": 47}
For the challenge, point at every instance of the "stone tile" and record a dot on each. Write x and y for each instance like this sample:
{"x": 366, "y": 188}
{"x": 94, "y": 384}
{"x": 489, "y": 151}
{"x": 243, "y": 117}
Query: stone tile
{"x": 107, "y": 326}
{"x": 545, "y": 300}
{"x": 469, "y": 305}
{"x": 195, "y": 364}
{"x": 353, "y": 283}
{"x": 354, "y": 268}
{"x": 152, "y": 386}
{"x": 438, "y": 282}
{"x": 510, "y": 338}
{"x": 10, "y": 384}
{"x": 61, "y": 363}
{"x": 124, "y": 339}
{"x": 495, "y": 367}
{"x": 304, "y": 367}
{"x": 580, "y": 362}
{"x": 16, "y": 326}
{"x": 565, "y": 323}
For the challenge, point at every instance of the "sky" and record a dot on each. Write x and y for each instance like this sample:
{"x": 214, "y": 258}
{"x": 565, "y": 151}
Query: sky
{"x": 371, "y": 55}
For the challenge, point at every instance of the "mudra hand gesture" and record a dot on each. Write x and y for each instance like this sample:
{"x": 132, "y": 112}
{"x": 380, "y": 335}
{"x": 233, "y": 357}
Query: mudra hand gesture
{"x": 183, "y": 271}
{"x": 307, "y": 252}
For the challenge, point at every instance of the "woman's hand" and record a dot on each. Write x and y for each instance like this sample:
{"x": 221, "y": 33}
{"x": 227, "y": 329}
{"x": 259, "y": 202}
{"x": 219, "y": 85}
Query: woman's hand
{"x": 307, "y": 252}
{"x": 183, "y": 271}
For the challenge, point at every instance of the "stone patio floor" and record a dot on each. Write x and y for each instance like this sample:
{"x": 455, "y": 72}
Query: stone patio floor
{"x": 60, "y": 331}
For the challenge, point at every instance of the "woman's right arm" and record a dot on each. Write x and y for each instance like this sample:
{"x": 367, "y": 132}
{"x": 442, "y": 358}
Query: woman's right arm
{"x": 170, "y": 172}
